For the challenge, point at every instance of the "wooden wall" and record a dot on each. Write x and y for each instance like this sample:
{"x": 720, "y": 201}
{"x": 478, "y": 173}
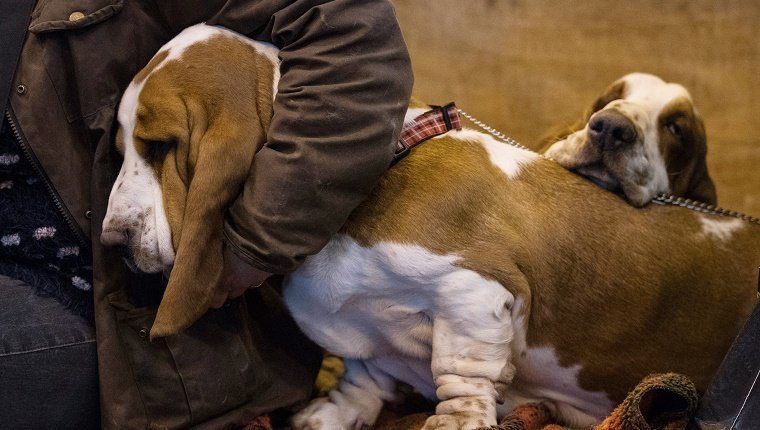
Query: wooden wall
{"x": 525, "y": 66}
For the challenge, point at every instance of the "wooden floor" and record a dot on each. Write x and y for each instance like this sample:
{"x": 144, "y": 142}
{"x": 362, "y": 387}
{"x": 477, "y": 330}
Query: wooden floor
{"x": 526, "y": 66}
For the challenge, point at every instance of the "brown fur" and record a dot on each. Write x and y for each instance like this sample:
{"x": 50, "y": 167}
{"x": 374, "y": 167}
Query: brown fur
{"x": 686, "y": 154}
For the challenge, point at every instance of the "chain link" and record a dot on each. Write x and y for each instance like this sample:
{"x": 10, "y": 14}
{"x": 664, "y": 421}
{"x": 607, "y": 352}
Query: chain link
{"x": 669, "y": 199}
{"x": 493, "y": 132}
{"x": 662, "y": 199}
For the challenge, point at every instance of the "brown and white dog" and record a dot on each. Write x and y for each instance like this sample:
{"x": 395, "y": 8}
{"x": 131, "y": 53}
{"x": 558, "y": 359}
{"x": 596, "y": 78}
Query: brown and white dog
{"x": 481, "y": 274}
{"x": 641, "y": 137}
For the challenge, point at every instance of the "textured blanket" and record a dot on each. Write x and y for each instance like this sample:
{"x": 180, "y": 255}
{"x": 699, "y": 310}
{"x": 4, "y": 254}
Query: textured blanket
{"x": 659, "y": 402}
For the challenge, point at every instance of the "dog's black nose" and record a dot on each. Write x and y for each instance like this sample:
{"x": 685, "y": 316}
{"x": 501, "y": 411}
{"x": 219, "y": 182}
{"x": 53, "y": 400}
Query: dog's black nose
{"x": 609, "y": 130}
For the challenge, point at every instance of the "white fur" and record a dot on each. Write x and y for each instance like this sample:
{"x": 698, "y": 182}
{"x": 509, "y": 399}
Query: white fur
{"x": 506, "y": 157}
{"x": 413, "y": 113}
{"x": 135, "y": 206}
{"x": 647, "y": 160}
{"x": 651, "y": 92}
{"x": 510, "y": 159}
{"x": 720, "y": 229}
{"x": 540, "y": 378}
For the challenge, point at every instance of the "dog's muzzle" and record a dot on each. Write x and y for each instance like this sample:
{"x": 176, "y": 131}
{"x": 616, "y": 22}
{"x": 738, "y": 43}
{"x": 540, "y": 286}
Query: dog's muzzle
{"x": 610, "y": 130}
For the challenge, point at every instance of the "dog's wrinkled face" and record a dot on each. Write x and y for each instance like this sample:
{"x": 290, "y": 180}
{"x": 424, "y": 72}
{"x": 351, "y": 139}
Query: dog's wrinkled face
{"x": 643, "y": 137}
{"x": 136, "y": 219}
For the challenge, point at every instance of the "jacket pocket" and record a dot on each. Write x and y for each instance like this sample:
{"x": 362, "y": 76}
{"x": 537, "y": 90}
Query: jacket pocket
{"x": 88, "y": 50}
{"x": 203, "y": 372}
{"x": 71, "y": 15}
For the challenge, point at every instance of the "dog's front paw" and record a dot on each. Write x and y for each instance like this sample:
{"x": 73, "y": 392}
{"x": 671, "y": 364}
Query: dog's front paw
{"x": 457, "y": 421}
{"x": 321, "y": 414}
{"x": 325, "y": 413}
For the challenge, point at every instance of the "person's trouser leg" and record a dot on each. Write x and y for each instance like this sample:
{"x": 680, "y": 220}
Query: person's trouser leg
{"x": 48, "y": 363}
{"x": 732, "y": 401}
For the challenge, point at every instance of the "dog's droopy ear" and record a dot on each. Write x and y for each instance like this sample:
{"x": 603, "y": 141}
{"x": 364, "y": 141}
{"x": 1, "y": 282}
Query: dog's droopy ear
{"x": 217, "y": 175}
{"x": 613, "y": 92}
{"x": 687, "y": 171}
{"x": 227, "y": 112}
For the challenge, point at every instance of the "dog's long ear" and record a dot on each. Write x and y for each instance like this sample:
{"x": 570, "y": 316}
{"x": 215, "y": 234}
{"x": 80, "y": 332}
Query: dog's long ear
{"x": 689, "y": 176}
{"x": 216, "y": 170}
{"x": 613, "y": 92}
{"x": 227, "y": 123}
{"x": 702, "y": 188}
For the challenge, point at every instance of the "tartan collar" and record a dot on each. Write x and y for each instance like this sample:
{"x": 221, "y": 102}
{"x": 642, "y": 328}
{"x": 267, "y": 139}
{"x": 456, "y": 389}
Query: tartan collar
{"x": 434, "y": 122}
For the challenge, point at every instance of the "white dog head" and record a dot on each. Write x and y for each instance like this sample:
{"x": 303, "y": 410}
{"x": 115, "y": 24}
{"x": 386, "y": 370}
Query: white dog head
{"x": 642, "y": 137}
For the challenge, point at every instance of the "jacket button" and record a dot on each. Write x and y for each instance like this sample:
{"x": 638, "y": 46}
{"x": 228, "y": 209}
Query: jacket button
{"x": 76, "y": 16}
{"x": 88, "y": 214}
{"x": 20, "y": 88}
{"x": 143, "y": 333}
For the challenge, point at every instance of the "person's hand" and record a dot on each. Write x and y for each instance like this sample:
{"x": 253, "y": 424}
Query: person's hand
{"x": 237, "y": 276}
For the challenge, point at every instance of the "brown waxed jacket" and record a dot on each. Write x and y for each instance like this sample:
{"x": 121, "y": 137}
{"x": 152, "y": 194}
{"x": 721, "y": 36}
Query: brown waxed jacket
{"x": 346, "y": 80}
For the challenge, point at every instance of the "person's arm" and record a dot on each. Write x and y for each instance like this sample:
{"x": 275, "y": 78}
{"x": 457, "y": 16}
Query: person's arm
{"x": 345, "y": 83}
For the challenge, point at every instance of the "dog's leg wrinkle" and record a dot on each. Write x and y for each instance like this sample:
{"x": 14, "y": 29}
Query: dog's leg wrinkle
{"x": 471, "y": 366}
{"x": 355, "y": 404}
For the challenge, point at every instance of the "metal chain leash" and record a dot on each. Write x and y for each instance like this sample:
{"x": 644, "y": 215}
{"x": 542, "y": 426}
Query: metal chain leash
{"x": 495, "y": 133}
{"x": 669, "y": 199}
{"x": 662, "y": 199}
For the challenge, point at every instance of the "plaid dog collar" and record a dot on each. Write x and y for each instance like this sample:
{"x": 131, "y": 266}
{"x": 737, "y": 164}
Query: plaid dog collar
{"x": 432, "y": 123}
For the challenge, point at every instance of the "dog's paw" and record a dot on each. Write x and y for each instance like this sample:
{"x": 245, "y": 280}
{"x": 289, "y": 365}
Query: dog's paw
{"x": 323, "y": 414}
{"x": 457, "y": 421}
{"x": 320, "y": 414}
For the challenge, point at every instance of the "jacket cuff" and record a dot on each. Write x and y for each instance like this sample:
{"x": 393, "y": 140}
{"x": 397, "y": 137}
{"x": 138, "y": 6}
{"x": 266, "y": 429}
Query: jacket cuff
{"x": 269, "y": 263}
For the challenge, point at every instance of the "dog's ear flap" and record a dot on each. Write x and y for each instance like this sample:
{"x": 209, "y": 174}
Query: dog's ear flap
{"x": 693, "y": 181}
{"x": 613, "y": 92}
{"x": 224, "y": 156}
{"x": 702, "y": 189}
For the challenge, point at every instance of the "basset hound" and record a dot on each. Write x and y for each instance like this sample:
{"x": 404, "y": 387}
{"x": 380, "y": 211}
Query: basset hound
{"x": 481, "y": 274}
{"x": 641, "y": 137}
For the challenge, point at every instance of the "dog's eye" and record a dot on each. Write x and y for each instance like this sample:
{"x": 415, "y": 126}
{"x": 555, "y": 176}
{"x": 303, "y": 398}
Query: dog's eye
{"x": 155, "y": 150}
{"x": 675, "y": 129}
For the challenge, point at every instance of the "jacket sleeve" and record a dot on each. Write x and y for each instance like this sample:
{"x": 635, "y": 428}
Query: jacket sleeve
{"x": 345, "y": 83}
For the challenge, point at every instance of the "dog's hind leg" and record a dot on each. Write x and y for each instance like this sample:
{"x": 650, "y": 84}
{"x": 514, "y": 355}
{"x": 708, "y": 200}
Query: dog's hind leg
{"x": 472, "y": 331}
{"x": 355, "y": 404}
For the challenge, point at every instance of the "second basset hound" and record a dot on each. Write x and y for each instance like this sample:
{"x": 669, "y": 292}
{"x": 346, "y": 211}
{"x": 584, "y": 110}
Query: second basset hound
{"x": 481, "y": 274}
{"x": 641, "y": 137}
